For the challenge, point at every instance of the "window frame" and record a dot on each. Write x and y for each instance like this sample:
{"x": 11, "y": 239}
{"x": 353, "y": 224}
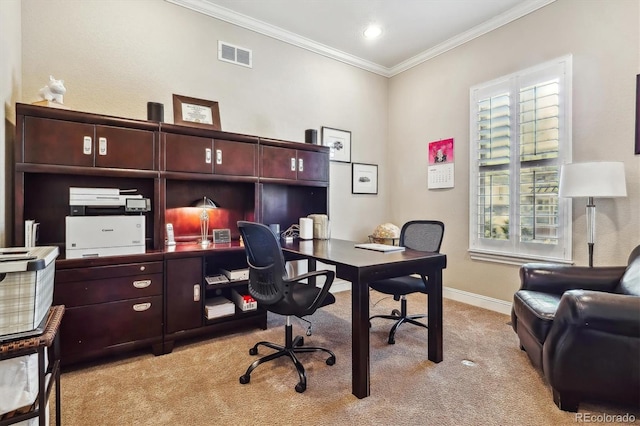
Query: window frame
{"x": 512, "y": 250}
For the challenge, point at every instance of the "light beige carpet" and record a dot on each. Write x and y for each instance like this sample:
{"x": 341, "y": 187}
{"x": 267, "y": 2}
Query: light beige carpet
{"x": 197, "y": 384}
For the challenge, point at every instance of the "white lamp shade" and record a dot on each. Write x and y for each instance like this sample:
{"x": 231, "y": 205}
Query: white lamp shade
{"x": 599, "y": 179}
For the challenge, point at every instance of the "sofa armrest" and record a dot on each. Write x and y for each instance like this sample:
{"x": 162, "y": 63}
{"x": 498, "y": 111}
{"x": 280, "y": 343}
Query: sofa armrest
{"x": 606, "y": 312}
{"x": 551, "y": 278}
{"x": 593, "y": 347}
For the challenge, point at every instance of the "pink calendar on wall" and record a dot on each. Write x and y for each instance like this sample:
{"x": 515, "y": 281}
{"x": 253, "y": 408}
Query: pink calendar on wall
{"x": 441, "y": 171}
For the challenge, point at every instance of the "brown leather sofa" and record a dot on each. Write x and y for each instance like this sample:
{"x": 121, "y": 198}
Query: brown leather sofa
{"x": 581, "y": 326}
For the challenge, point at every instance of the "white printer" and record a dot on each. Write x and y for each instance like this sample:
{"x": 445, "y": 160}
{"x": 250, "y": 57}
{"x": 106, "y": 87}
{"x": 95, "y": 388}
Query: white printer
{"x": 110, "y": 232}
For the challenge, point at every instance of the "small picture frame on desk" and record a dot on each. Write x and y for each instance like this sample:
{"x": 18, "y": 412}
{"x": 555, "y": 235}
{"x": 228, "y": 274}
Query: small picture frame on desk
{"x": 196, "y": 112}
{"x": 221, "y": 236}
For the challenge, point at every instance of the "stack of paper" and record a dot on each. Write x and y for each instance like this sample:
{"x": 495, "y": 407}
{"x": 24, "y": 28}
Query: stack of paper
{"x": 379, "y": 247}
{"x": 219, "y": 307}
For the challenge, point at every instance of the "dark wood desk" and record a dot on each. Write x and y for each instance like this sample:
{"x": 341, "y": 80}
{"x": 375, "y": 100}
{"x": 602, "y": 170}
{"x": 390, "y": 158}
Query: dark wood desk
{"x": 361, "y": 267}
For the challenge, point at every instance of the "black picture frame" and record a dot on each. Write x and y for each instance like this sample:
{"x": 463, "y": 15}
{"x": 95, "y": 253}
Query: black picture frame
{"x": 340, "y": 143}
{"x": 364, "y": 178}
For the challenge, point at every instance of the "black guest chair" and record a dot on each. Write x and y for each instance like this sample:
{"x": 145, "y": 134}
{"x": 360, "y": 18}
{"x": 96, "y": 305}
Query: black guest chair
{"x": 274, "y": 290}
{"x": 423, "y": 235}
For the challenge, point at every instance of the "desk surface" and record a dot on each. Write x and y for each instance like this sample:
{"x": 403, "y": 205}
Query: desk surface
{"x": 344, "y": 252}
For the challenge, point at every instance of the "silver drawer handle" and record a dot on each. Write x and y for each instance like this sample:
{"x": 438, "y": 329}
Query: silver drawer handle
{"x": 141, "y": 307}
{"x": 142, "y": 283}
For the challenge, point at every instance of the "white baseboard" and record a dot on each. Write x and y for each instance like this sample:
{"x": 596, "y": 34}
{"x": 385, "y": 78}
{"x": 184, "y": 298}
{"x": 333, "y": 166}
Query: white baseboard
{"x": 340, "y": 285}
{"x": 478, "y": 300}
{"x": 473, "y": 299}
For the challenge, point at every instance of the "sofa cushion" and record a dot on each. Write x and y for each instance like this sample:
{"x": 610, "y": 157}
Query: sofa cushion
{"x": 535, "y": 311}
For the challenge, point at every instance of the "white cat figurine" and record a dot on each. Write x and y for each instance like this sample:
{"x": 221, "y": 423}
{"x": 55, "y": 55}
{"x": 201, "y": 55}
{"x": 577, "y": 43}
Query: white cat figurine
{"x": 53, "y": 91}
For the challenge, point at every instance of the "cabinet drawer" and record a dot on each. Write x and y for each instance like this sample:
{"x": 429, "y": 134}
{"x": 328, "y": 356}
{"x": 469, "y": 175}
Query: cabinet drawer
{"x": 96, "y": 327}
{"x": 109, "y": 271}
{"x": 80, "y": 293}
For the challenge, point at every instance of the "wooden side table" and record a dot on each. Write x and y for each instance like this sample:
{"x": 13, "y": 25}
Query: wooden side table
{"x": 36, "y": 345}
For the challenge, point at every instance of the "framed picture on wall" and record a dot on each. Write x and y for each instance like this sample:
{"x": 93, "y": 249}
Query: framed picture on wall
{"x": 340, "y": 143}
{"x": 196, "y": 112}
{"x": 364, "y": 178}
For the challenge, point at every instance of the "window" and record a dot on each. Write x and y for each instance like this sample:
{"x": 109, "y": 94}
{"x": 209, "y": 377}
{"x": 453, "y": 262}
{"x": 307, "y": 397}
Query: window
{"x": 520, "y": 136}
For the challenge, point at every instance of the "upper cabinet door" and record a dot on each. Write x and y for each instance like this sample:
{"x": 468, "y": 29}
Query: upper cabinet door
{"x": 125, "y": 148}
{"x": 58, "y": 142}
{"x": 234, "y": 158}
{"x": 278, "y": 163}
{"x": 191, "y": 154}
{"x": 313, "y": 166}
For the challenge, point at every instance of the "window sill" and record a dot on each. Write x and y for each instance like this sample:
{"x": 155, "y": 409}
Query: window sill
{"x": 514, "y": 259}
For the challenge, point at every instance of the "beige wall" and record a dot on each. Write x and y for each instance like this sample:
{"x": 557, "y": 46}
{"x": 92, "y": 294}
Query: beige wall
{"x": 115, "y": 56}
{"x": 431, "y": 102}
{"x": 10, "y": 80}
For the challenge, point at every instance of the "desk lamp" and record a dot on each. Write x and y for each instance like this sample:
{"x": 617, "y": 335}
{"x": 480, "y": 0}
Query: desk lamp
{"x": 591, "y": 180}
{"x": 205, "y": 204}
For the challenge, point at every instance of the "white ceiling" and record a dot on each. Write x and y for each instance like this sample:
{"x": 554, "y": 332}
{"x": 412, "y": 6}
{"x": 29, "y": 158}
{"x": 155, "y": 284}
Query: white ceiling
{"x": 413, "y": 30}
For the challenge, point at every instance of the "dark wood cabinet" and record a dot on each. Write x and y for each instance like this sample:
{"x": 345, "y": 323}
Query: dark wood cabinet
{"x": 206, "y": 152}
{"x": 184, "y": 153}
{"x": 69, "y": 143}
{"x": 48, "y": 141}
{"x": 125, "y": 148}
{"x": 235, "y": 158}
{"x": 187, "y": 292}
{"x": 281, "y": 160}
{"x": 184, "y": 294}
{"x": 119, "y": 303}
{"x": 109, "y": 307}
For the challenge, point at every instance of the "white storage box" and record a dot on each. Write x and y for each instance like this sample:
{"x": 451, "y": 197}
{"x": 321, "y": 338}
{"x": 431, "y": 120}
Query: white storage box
{"x": 26, "y": 289}
{"x": 244, "y": 301}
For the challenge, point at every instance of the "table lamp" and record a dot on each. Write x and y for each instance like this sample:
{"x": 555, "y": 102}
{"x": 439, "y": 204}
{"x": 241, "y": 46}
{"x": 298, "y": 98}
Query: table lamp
{"x": 595, "y": 179}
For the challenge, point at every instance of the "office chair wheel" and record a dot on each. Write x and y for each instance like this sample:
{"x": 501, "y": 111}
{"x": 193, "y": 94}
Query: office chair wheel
{"x": 253, "y": 351}
{"x": 300, "y": 341}
{"x": 395, "y": 312}
{"x": 331, "y": 360}
{"x": 392, "y": 341}
{"x": 301, "y": 387}
{"x": 244, "y": 379}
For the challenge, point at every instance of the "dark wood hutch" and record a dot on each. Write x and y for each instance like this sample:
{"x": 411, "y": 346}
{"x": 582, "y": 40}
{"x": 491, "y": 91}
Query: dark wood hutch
{"x": 119, "y": 303}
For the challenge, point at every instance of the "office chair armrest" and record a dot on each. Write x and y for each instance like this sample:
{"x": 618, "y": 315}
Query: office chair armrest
{"x": 329, "y": 277}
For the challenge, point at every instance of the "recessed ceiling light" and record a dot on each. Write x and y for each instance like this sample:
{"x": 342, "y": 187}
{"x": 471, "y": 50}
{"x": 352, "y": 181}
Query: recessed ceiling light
{"x": 372, "y": 31}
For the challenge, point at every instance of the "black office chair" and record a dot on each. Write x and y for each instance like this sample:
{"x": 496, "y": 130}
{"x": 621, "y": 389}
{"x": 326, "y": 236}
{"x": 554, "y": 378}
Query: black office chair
{"x": 423, "y": 235}
{"x": 274, "y": 290}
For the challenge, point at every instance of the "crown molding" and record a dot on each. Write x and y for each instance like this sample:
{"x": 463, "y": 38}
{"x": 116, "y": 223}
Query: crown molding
{"x": 475, "y": 32}
{"x": 207, "y": 8}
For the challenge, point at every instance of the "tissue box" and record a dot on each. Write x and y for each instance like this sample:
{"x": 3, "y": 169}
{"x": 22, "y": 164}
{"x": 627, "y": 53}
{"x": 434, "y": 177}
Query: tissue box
{"x": 26, "y": 289}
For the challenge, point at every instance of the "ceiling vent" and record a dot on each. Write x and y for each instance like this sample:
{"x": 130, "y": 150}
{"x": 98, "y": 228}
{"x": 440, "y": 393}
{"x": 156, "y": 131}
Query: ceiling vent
{"x": 234, "y": 54}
